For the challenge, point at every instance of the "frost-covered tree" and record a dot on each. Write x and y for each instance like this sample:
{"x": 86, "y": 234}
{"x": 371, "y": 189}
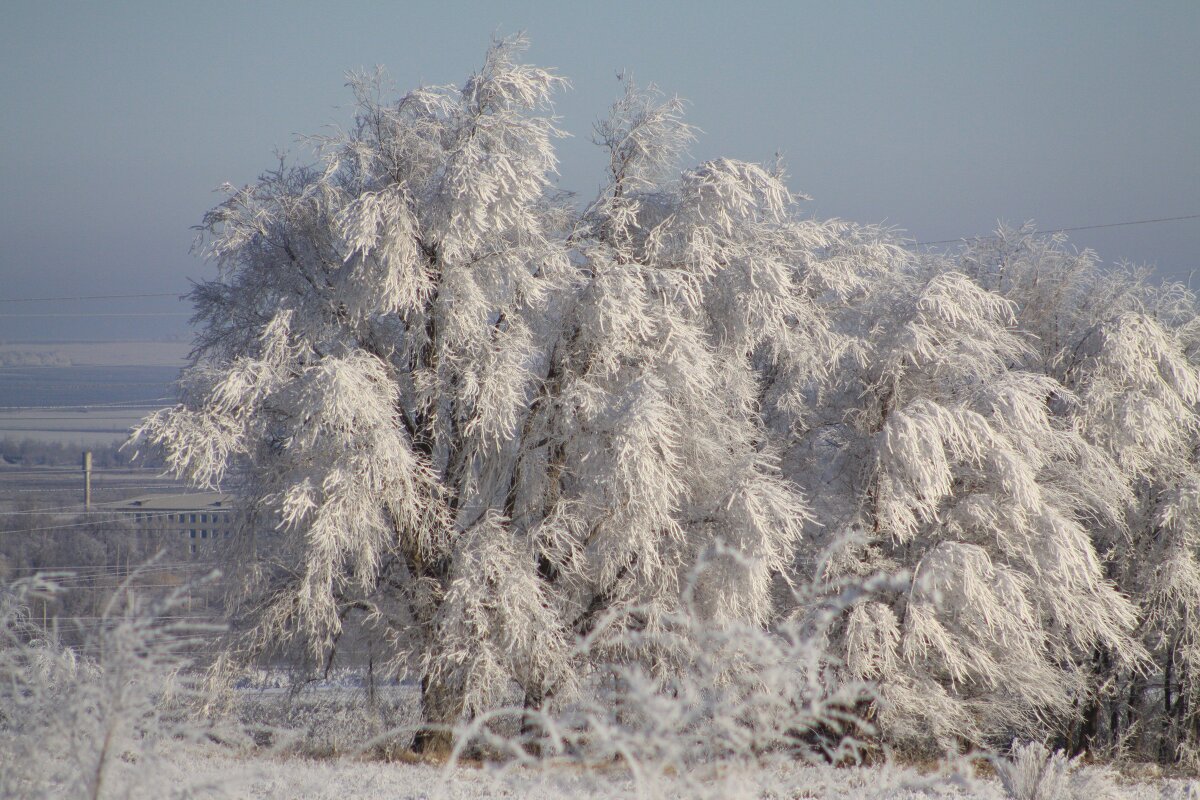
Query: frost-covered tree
{"x": 485, "y": 424}
{"x": 645, "y": 447}
{"x": 364, "y": 363}
{"x": 483, "y": 419}
{"x": 943, "y": 460}
{"x": 1128, "y": 350}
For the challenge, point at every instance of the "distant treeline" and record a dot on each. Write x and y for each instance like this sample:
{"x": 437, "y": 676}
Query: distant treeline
{"x": 38, "y": 453}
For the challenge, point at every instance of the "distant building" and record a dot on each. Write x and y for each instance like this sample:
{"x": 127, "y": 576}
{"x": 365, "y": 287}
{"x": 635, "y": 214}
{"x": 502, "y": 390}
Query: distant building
{"x": 191, "y": 519}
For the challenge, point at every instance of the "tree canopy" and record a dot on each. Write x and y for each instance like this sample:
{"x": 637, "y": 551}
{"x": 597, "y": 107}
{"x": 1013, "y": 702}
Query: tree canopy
{"x": 490, "y": 423}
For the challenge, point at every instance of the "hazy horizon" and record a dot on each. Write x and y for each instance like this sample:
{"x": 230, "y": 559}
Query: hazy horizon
{"x": 941, "y": 120}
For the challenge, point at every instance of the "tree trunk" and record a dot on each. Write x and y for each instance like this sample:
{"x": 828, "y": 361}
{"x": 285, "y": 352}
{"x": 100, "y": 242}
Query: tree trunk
{"x": 441, "y": 708}
{"x": 531, "y": 732}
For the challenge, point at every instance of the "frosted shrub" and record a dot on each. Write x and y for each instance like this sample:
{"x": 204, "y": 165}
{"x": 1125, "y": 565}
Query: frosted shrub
{"x": 949, "y": 463}
{"x": 691, "y": 704}
{"x": 94, "y": 725}
{"x": 1127, "y": 350}
{"x": 1032, "y": 772}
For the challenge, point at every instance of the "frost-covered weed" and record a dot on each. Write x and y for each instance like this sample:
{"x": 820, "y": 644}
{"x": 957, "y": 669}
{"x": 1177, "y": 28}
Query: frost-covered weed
{"x": 692, "y": 704}
{"x": 96, "y": 725}
{"x": 324, "y": 721}
{"x": 1032, "y": 772}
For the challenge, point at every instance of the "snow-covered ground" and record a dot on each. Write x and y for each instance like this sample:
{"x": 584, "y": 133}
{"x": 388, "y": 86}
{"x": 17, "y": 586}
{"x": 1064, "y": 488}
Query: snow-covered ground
{"x": 346, "y": 779}
{"x": 94, "y": 354}
{"x": 83, "y": 427}
{"x": 86, "y": 393}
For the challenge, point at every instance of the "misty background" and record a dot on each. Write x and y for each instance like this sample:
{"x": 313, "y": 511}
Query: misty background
{"x": 121, "y": 120}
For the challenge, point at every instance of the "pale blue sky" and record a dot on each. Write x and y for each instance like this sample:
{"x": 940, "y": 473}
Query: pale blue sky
{"x": 119, "y": 119}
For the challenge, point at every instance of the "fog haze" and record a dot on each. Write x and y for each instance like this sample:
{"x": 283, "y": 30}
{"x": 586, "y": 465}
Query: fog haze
{"x": 119, "y": 122}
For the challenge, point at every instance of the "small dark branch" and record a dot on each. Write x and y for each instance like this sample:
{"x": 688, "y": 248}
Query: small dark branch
{"x": 600, "y": 601}
{"x": 547, "y": 571}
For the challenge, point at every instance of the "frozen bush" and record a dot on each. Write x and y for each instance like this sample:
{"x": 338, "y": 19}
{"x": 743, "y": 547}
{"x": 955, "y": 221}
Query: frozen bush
{"x": 93, "y": 723}
{"x": 690, "y": 703}
{"x": 1032, "y": 772}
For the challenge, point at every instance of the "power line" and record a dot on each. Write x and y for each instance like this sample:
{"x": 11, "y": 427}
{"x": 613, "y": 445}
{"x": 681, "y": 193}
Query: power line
{"x": 93, "y": 419}
{"x": 91, "y": 582}
{"x": 90, "y": 297}
{"x": 66, "y": 364}
{"x": 119, "y": 475}
{"x": 1069, "y": 230}
{"x": 34, "y": 368}
{"x": 181, "y": 297}
{"x": 102, "y": 314}
{"x": 135, "y": 586}
{"x": 69, "y": 486}
{"x": 81, "y": 507}
{"x": 78, "y": 568}
{"x": 145, "y": 516}
{"x": 116, "y": 619}
{"x": 75, "y": 581}
{"x": 85, "y": 406}
{"x": 131, "y": 471}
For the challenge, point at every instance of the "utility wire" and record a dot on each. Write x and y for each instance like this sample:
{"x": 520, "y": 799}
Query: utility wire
{"x": 145, "y": 516}
{"x": 131, "y": 471}
{"x": 1068, "y": 230}
{"x": 102, "y": 314}
{"x": 77, "y": 569}
{"x": 167, "y": 482}
{"x": 119, "y": 617}
{"x": 90, "y": 297}
{"x": 85, "y": 406}
{"x": 72, "y": 487}
{"x": 124, "y": 516}
{"x": 81, "y": 507}
{"x": 97, "y": 421}
{"x": 135, "y": 586}
{"x": 68, "y": 365}
{"x": 180, "y": 296}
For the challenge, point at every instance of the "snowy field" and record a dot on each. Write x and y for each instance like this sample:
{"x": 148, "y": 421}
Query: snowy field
{"x": 86, "y": 393}
{"x": 330, "y": 717}
{"x": 94, "y": 354}
{"x": 346, "y": 779}
{"x": 83, "y": 427}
